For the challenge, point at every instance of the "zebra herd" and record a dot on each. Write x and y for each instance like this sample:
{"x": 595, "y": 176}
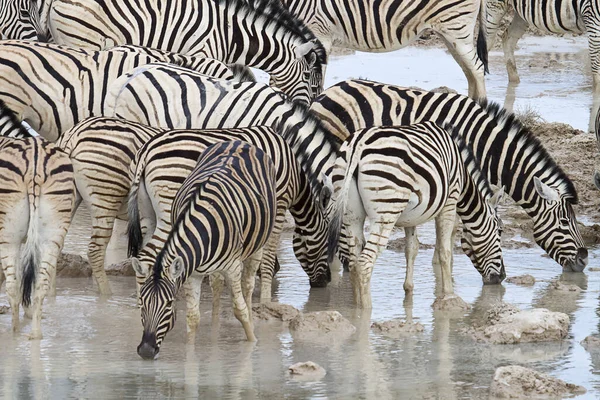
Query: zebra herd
{"x": 146, "y": 111}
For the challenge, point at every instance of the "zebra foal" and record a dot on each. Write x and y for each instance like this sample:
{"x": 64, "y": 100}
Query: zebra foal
{"x": 258, "y": 33}
{"x": 222, "y": 215}
{"x": 388, "y": 25}
{"x": 36, "y": 201}
{"x": 405, "y": 176}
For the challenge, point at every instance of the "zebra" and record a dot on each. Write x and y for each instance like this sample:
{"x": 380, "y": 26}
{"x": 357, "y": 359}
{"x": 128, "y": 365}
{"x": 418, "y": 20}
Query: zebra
{"x": 36, "y": 201}
{"x": 405, "y": 176}
{"x": 554, "y": 16}
{"x": 507, "y": 152}
{"x": 101, "y": 150}
{"x": 164, "y": 161}
{"x": 382, "y": 26}
{"x": 54, "y": 87}
{"x": 258, "y": 33}
{"x": 21, "y": 19}
{"x": 223, "y": 214}
{"x": 171, "y": 97}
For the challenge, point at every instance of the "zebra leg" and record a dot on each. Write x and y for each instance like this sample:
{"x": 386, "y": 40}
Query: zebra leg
{"x": 9, "y": 252}
{"x": 411, "y": 248}
{"x": 240, "y": 309}
{"x": 103, "y": 221}
{"x": 251, "y": 265}
{"x": 515, "y": 31}
{"x": 444, "y": 225}
{"x": 217, "y": 282}
{"x": 192, "y": 290}
{"x": 379, "y": 234}
{"x": 49, "y": 252}
{"x": 463, "y": 51}
{"x": 269, "y": 252}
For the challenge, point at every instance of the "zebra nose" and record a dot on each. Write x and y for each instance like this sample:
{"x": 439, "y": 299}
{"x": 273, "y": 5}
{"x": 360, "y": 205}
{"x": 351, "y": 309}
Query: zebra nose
{"x": 321, "y": 280}
{"x": 581, "y": 260}
{"x": 148, "y": 348}
{"x": 494, "y": 279}
{"x": 43, "y": 37}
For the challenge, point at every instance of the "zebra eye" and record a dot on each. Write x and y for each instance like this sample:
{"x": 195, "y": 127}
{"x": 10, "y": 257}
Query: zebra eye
{"x": 170, "y": 304}
{"x": 564, "y": 221}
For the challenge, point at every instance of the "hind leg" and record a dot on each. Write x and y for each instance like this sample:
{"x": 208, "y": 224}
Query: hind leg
{"x": 269, "y": 253}
{"x": 9, "y": 253}
{"x": 515, "y": 31}
{"x": 251, "y": 265}
{"x": 410, "y": 251}
{"x": 103, "y": 220}
{"x": 463, "y": 51}
{"x": 240, "y": 308}
{"x": 217, "y": 283}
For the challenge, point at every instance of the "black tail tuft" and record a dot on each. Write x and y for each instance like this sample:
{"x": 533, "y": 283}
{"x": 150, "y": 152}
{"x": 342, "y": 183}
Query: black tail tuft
{"x": 482, "y": 50}
{"x": 134, "y": 228}
{"x": 242, "y": 73}
{"x": 28, "y": 279}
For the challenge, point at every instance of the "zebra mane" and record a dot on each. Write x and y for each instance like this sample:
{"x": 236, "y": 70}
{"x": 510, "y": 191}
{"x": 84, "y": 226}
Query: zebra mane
{"x": 10, "y": 125}
{"x": 289, "y": 130}
{"x": 471, "y": 164}
{"x": 516, "y": 132}
{"x": 275, "y": 13}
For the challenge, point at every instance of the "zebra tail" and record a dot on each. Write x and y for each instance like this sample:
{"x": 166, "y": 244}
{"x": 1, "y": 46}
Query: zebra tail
{"x": 482, "y": 49}
{"x": 134, "y": 226}
{"x": 242, "y": 73}
{"x": 30, "y": 255}
{"x": 335, "y": 226}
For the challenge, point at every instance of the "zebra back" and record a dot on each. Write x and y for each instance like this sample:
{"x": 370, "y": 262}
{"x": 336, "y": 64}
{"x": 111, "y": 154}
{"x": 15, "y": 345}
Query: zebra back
{"x": 10, "y": 126}
{"x": 170, "y": 97}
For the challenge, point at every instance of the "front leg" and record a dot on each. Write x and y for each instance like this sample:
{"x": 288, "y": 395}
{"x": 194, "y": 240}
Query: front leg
{"x": 269, "y": 253}
{"x": 411, "y": 249}
{"x": 240, "y": 309}
{"x": 251, "y": 266}
{"x": 444, "y": 225}
{"x": 192, "y": 290}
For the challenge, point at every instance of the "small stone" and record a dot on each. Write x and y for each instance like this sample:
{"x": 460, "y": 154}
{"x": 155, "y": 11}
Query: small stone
{"x": 565, "y": 287}
{"x": 524, "y": 280}
{"x": 122, "y": 268}
{"x": 450, "y": 302}
{"x": 307, "y": 371}
{"x": 321, "y": 325}
{"x": 515, "y": 382}
{"x": 274, "y": 312}
{"x": 593, "y": 269}
{"x": 397, "y": 327}
{"x": 73, "y": 266}
{"x": 591, "y": 343}
{"x": 4, "y": 309}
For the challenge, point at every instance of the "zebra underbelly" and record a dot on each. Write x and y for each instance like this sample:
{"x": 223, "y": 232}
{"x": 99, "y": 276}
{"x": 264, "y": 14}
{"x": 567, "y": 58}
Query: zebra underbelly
{"x": 418, "y": 210}
{"x": 566, "y": 20}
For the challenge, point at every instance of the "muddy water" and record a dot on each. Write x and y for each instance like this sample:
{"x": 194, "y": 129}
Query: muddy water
{"x": 89, "y": 345}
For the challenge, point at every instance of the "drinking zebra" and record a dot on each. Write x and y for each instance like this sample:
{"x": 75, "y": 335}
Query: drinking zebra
{"x": 381, "y": 26}
{"x": 20, "y": 19}
{"x": 54, "y": 87}
{"x": 222, "y": 215}
{"x": 36, "y": 201}
{"x": 163, "y": 163}
{"x": 405, "y": 176}
{"x": 507, "y": 152}
{"x": 260, "y": 33}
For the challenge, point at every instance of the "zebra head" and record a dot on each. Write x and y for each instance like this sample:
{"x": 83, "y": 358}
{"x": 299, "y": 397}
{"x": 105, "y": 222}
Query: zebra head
{"x": 158, "y": 310}
{"x": 37, "y": 12}
{"x": 482, "y": 244}
{"x": 302, "y": 80}
{"x": 555, "y": 228}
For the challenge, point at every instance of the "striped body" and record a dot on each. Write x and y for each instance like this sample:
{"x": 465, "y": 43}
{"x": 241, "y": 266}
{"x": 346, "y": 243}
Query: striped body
{"x": 165, "y": 161}
{"x": 53, "y": 87}
{"x": 101, "y": 150}
{"x": 551, "y": 16}
{"x": 222, "y": 214}
{"x": 260, "y": 34}
{"x": 19, "y": 19}
{"x": 507, "y": 152}
{"x": 170, "y": 97}
{"x": 36, "y": 201}
{"x": 388, "y": 25}
{"x": 405, "y": 176}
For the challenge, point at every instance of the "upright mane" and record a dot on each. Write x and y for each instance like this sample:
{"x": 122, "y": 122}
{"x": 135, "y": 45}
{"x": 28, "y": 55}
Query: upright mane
{"x": 10, "y": 125}
{"x": 274, "y": 13}
{"x": 471, "y": 164}
{"x": 515, "y": 131}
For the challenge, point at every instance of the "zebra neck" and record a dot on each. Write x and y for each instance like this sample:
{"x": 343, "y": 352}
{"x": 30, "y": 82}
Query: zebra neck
{"x": 176, "y": 247}
{"x": 303, "y": 10}
{"x": 471, "y": 204}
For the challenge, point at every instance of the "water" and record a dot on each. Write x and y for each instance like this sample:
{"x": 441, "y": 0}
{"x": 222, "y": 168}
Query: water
{"x": 89, "y": 345}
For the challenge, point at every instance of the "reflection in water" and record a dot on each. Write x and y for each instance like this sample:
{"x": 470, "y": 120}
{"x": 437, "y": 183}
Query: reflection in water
{"x": 89, "y": 344}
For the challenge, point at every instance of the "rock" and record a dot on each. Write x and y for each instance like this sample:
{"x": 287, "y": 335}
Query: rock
{"x": 525, "y": 280}
{"x": 565, "y": 287}
{"x": 506, "y": 324}
{"x": 591, "y": 343}
{"x": 274, "y": 312}
{"x": 593, "y": 269}
{"x": 307, "y": 371}
{"x": 123, "y": 268}
{"x": 73, "y": 266}
{"x": 321, "y": 325}
{"x": 397, "y": 327}
{"x": 443, "y": 89}
{"x": 450, "y": 303}
{"x": 4, "y": 309}
{"x": 515, "y": 382}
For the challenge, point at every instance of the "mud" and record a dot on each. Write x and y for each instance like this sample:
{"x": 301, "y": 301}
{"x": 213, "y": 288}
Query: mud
{"x": 397, "y": 328}
{"x": 452, "y": 303}
{"x": 73, "y": 266}
{"x": 524, "y": 280}
{"x": 591, "y": 343}
{"x": 122, "y": 268}
{"x": 307, "y": 371}
{"x": 515, "y": 382}
{"x": 274, "y": 312}
{"x": 506, "y": 324}
{"x": 323, "y": 325}
{"x": 565, "y": 287}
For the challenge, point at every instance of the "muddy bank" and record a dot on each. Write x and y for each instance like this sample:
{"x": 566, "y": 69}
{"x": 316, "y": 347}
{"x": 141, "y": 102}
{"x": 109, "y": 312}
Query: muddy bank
{"x": 321, "y": 325}
{"x": 397, "y": 328}
{"x": 515, "y": 382}
{"x": 307, "y": 371}
{"x": 76, "y": 266}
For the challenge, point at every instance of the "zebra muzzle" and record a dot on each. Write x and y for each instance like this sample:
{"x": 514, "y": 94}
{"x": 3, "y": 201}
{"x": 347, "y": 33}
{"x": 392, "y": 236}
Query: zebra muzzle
{"x": 148, "y": 349}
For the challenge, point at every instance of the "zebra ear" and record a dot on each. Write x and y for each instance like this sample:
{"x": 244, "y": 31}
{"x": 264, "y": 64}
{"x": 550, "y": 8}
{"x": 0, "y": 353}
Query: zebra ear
{"x": 597, "y": 179}
{"x": 496, "y": 198}
{"x": 139, "y": 268}
{"x": 546, "y": 192}
{"x": 303, "y": 49}
{"x": 176, "y": 268}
